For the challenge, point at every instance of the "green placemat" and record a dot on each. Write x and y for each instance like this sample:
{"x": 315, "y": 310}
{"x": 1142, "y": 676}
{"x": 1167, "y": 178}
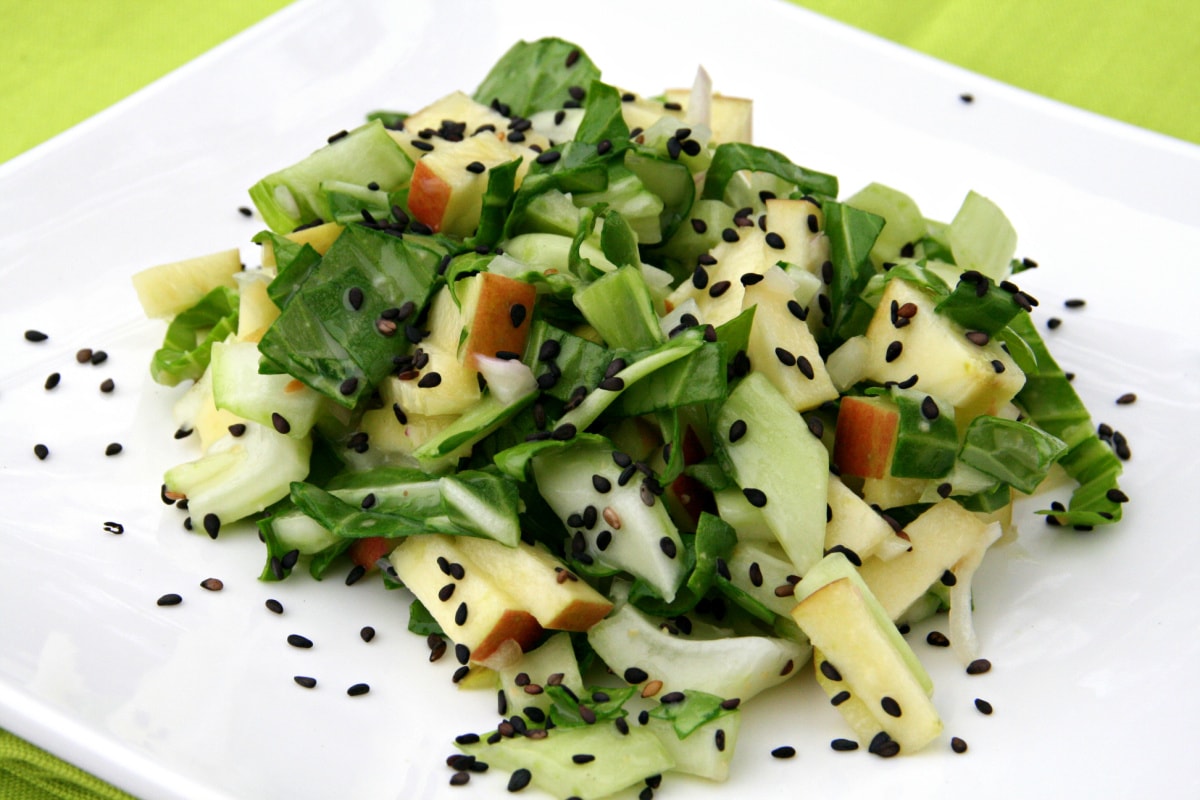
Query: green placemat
{"x": 1138, "y": 62}
{"x": 29, "y": 773}
{"x": 65, "y": 60}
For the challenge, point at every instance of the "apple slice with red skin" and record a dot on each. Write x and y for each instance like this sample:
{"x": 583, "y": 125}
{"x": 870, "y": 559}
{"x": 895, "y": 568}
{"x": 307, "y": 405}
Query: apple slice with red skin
{"x": 691, "y": 495}
{"x": 448, "y": 182}
{"x": 468, "y": 604}
{"x": 366, "y": 552}
{"x": 502, "y": 311}
{"x": 866, "y": 436}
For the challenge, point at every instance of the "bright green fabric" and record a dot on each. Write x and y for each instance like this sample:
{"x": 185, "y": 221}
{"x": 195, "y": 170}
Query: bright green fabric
{"x": 64, "y": 60}
{"x": 1138, "y": 62}
{"x": 28, "y": 773}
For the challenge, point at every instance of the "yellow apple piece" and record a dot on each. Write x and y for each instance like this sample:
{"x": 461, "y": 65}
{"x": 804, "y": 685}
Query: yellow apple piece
{"x": 167, "y": 289}
{"x": 449, "y": 181}
{"x": 319, "y": 237}
{"x": 867, "y": 664}
{"x": 534, "y": 578}
{"x": 472, "y": 609}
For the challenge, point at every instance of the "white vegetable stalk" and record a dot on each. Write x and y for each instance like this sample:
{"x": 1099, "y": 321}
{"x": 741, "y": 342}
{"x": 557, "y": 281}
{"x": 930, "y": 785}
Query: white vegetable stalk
{"x": 508, "y": 380}
{"x": 699, "y": 111}
{"x": 962, "y": 625}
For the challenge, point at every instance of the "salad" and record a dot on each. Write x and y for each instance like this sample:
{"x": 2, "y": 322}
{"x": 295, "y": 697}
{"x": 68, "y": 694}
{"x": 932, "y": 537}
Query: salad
{"x": 642, "y": 417}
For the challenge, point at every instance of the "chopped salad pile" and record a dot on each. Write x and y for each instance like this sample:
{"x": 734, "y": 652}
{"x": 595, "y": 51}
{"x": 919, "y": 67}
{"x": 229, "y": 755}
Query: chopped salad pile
{"x": 607, "y": 388}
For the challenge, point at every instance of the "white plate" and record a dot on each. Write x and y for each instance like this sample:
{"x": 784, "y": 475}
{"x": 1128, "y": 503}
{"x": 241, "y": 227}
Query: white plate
{"x": 1093, "y": 636}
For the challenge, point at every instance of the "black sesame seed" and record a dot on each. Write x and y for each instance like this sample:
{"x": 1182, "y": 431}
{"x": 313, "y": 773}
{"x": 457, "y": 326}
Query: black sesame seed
{"x": 844, "y": 745}
{"x": 1075, "y": 302}
{"x": 839, "y": 698}
{"x": 948, "y": 577}
{"x": 117, "y": 529}
{"x": 775, "y": 241}
{"x": 798, "y": 311}
{"x": 755, "y": 574}
{"x": 460, "y": 615}
{"x": 35, "y": 336}
{"x": 457, "y": 572}
{"x": 786, "y": 751}
{"x": 756, "y": 497}
{"x": 944, "y": 489}
{"x": 635, "y": 675}
{"x": 289, "y": 559}
{"x": 929, "y": 408}
{"x": 476, "y": 167}
{"x": 446, "y": 592}
{"x": 958, "y": 745}
{"x": 730, "y": 235}
{"x": 563, "y": 432}
{"x": 719, "y": 288}
{"x": 1053, "y": 323}
{"x": 107, "y": 385}
{"x": 41, "y": 451}
{"x": 212, "y": 525}
{"x": 937, "y": 639}
{"x": 983, "y": 705}
{"x": 979, "y": 666}
{"x": 462, "y": 653}
{"x": 893, "y": 351}
{"x": 113, "y": 449}
{"x": 805, "y": 367}
{"x": 305, "y": 681}
{"x": 519, "y": 779}
{"x": 280, "y": 422}
{"x": 737, "y": 430}
{"x": 667, "y": 545}
{"x": 1116, "y": 496}
{"x": 613, "y": 384}
{"x": 274, "y": 606}
{"x": 830, "y": 671}
{"x": 355, "y": 574}
{"x": 171, "y": 599}
{"x": 890, "y": 706}
{"x": 358, "y": 689}
{"x": 98, "y": 357}
{"x": 52, "y": 380}
{"x": 785, "y": 357}
{"x": 296, "y": 640}
{"x": 1127, "y": 399}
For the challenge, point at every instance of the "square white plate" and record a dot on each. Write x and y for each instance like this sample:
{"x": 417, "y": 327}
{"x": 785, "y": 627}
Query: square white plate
{"x": 1093, "y": 636}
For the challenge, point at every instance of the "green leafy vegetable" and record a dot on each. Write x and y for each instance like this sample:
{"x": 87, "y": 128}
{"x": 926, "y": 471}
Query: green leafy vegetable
{"x": 187, "y": 345}
{"x": 533, "y": 76}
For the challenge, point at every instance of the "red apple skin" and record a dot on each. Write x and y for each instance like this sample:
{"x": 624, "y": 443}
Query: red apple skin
{"x": 514, "y": 624}
{"x": 492, "y": 329}
{"x": 865, "y": 437}
{"x": 428, "y": 196}
{"x": 365, "y": 552}
{"x": 579, "y": 616}
{"x": 692, "y": 496}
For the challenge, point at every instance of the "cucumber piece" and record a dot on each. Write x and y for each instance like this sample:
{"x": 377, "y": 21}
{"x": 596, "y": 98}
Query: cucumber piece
{"x": 240, "y": 475}
{"x": 903, "y": 224}
{"x": 555, "y": 656}
{"x": 982, "y": 238}
{"x": 700, "y": 735}
{"x": 626, "y": 532}
{"x": 477, "y": 422}
{"x": 735, "y": 666}
{"x": 293, "y": 196}
{"x": 619, "y": 306}
{"x": 240, "y": 388}
{"x": 619, "y": 760}
{"x": 788, "y": 484}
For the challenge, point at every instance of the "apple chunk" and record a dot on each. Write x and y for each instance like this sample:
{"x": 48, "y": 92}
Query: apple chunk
{"x": 497, "y": 311}
{"x": 472, "y": 609}
{"x": 531, "y": 575}
{"x": 838, "y": 621}
{"x": 168, "y": 289}
{"x": 866, "y": 436}
{"x": 449, "y": 181}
